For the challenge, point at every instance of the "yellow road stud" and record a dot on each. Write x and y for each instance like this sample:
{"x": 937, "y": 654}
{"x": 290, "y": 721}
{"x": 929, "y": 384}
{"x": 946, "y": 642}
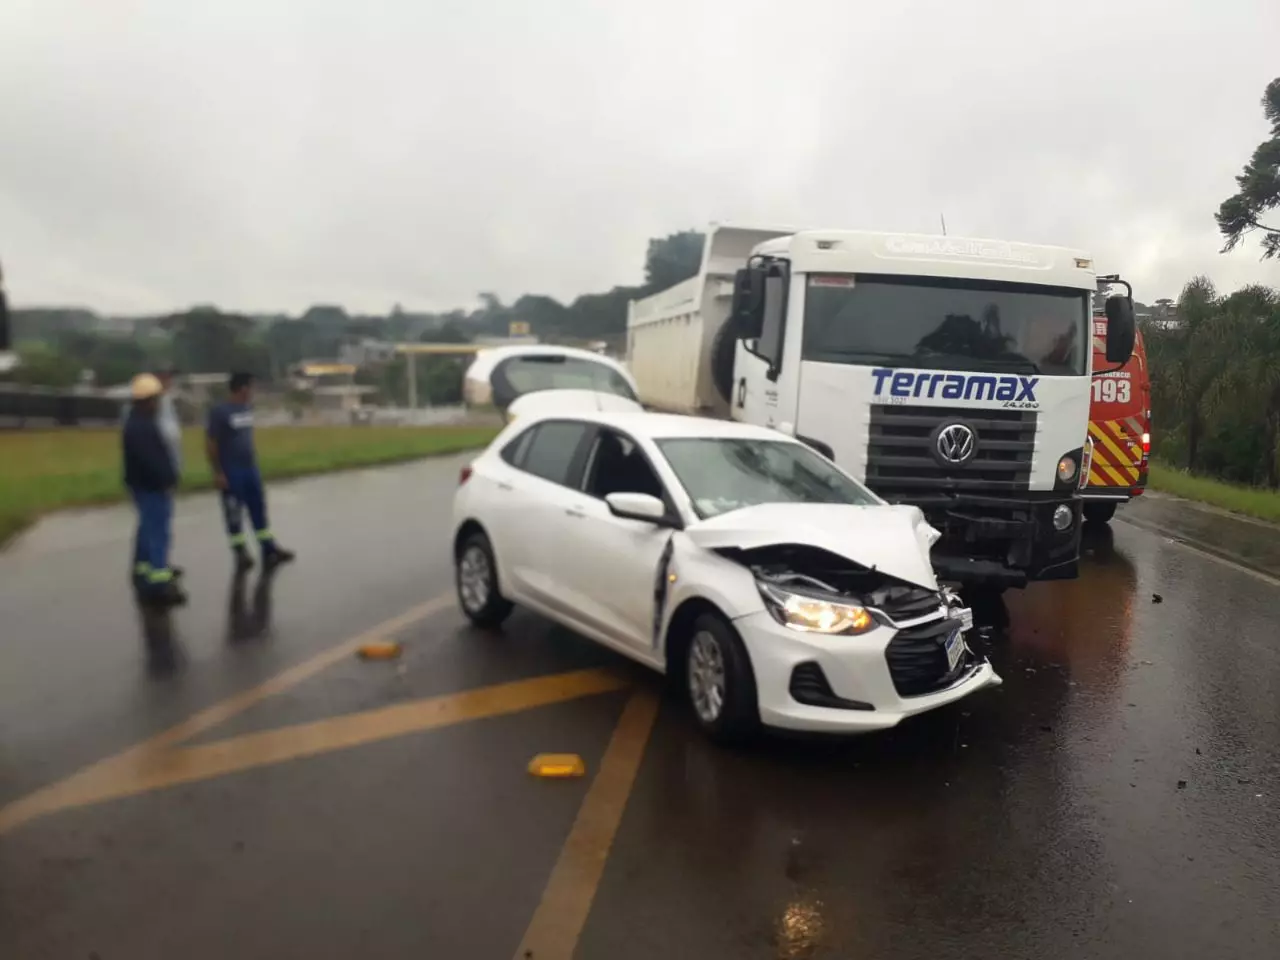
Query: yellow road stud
{"x": 380, "y": 650}
{"x": 557, "y": 765}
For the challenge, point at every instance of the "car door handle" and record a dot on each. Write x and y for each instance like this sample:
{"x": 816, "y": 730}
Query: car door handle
{"x": 504, "y": 486}
{"x": 575, "y": 512}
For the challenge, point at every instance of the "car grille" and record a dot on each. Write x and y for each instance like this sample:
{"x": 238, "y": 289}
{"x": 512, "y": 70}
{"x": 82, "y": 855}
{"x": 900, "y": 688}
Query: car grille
{"x": 905, "y": 602}
{"x": 918, "y": 661}
{"x": 901, "y": 451}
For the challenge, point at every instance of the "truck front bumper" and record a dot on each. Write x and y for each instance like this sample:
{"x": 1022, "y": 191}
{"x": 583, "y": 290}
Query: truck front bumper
{"x": 1005, "y": 542}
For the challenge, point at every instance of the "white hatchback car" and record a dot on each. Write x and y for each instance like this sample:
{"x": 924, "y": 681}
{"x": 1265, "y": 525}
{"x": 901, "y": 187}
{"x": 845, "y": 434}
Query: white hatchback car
{"x": 773, "y": 585}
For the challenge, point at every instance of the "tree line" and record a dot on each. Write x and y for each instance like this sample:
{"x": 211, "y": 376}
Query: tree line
{"x": 58, "y": 346}
{"x": 1215, "y": 375}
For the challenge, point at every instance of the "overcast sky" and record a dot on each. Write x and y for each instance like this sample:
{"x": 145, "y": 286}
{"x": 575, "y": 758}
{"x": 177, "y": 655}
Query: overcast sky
{"x": 270, "y": 154}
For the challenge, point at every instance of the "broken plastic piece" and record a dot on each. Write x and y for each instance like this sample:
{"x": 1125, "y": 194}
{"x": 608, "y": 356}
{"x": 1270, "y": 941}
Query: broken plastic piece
{"x": 380, "y": 650}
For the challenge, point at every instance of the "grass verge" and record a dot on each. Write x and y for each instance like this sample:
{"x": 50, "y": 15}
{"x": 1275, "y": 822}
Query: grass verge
{"x": 45, "y": 470}
{"x": 1250, "y": 501}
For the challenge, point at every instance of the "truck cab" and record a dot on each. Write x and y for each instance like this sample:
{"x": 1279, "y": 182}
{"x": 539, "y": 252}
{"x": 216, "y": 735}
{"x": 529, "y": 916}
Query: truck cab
{"x": 1119, "y": 428}
{"x": 948, "y": 373}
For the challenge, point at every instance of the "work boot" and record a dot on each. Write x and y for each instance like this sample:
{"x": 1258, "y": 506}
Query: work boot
{"x": 273, "y": 556}
{"x": 176, "y": 570}
{"x": 167, "y": 594}
{"x": 244, "y": 560}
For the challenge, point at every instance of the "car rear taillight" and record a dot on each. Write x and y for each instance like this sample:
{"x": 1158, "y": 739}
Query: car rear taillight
{"x": 464, "y": 474}
{"x": 1146, "y": 445}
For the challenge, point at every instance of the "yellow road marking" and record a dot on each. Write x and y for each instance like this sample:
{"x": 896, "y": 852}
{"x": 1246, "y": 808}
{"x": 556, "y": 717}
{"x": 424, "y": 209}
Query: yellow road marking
{"x": 557, "y": 924}
{"x": 136, "y": 773}
{"x": 66, "y": 793}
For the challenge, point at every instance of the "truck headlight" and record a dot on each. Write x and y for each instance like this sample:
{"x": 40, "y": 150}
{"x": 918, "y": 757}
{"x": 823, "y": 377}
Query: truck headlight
{"x": 811, "y": 614}
{"x": 1067, "y": 468}
{"x": 1061, "y": 517}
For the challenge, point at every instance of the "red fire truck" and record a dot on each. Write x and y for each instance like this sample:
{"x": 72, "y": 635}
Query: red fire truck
{"x": 1119, "y": 428}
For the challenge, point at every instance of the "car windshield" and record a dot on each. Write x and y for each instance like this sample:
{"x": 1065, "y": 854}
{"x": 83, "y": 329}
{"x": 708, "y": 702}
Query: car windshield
{"x": 723, "y": 474}
{"x": 519, "y": 375}
{"x": 945, "y": 323}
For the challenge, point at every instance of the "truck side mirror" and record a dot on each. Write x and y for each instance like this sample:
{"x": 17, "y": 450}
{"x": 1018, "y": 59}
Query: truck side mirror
{"x": 747, "y": 312}
{"x": 1120, "y": 329}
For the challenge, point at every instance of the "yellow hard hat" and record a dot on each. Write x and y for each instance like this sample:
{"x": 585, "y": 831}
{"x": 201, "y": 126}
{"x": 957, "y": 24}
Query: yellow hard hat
{"x": 145, "y": 386}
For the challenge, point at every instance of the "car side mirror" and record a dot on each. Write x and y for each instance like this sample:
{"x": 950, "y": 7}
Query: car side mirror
{"x": 1120, "y": 329}
{"x": 747, "y": 312}
{"x": 637, "y": 506}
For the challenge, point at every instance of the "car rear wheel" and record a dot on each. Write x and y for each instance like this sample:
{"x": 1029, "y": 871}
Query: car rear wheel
{"x": 1099, "y": 511}
{"x": 477, "y": 582}
{"x": 720, "y": 682}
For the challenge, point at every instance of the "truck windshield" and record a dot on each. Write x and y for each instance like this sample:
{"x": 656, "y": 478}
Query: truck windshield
{"x": 948, "y": 323}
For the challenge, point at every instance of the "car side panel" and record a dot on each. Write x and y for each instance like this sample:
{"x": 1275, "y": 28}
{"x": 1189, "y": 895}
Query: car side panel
{"x": 611, "y": 569}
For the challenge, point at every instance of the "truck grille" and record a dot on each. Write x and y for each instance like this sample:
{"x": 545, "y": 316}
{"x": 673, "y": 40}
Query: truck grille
{"x": 902, "y": 454}
{"x": 918, "y": 661}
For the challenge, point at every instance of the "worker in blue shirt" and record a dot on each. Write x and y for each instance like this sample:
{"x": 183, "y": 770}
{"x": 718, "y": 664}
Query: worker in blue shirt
{"x": 229, "y": 444}
{"x": 151, "y": 476}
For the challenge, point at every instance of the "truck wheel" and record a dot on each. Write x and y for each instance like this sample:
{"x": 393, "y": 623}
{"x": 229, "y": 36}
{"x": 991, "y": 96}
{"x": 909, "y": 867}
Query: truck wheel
{"x": 723, "y": 348}
{"x": 1099, "y": 511}
{"x": 477, "y": 579}
{"x": 720, "y": 682}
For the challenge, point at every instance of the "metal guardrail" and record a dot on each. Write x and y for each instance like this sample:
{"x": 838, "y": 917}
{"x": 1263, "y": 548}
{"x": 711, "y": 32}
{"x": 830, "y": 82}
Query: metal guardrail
{"x": 28, "y": 407}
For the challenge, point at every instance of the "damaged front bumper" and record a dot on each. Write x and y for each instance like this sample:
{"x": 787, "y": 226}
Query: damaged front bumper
{"x": 852, "y": 684}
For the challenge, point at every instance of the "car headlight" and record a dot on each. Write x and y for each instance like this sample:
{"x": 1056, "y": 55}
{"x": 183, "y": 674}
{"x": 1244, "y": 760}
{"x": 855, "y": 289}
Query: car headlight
{"x": 1067, "y": 468}
{"x": 811, "y": 614}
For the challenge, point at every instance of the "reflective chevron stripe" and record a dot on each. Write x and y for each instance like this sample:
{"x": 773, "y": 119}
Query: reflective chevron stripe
{"x": 1116, "y": 454}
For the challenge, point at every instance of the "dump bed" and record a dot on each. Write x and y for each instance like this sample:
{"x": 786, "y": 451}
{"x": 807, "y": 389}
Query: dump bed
{"x": 670, "y": 333}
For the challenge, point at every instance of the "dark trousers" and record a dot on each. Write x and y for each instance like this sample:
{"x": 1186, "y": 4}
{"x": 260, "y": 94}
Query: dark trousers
{"x": 151, "y": 544}
{"x": 244, "y": 492}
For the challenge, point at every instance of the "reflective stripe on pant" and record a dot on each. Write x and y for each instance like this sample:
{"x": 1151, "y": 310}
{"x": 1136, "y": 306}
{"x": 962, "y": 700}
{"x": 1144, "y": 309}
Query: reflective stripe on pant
{"x": 151, "y": 544}
{"x": 244, "y": 492}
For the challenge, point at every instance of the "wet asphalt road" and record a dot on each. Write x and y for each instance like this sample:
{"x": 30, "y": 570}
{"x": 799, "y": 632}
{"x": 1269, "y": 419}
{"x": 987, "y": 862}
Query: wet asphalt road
{"x": 1119, "y": 795}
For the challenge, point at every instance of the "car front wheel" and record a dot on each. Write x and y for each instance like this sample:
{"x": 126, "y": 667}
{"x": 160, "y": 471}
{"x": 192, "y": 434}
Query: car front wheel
{"x": 477, "y": 582}
{"x": 721, "y": 684}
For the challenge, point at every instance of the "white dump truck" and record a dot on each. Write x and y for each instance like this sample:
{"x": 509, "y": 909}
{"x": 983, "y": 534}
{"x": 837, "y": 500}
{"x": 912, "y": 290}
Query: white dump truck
{"x": 949, "y": 373}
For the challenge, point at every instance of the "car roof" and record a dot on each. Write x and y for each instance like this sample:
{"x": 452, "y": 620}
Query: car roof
{"x": 668, "y": 426}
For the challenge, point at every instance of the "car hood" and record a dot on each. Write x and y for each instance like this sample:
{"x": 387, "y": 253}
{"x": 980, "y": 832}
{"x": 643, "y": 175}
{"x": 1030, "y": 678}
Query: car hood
{"x": 894, "y": 540}
{"x": 570, "y": 401}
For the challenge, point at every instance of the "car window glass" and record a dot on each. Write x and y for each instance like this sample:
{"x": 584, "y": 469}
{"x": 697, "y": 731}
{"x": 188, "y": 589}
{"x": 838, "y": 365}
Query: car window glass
{"x": 723, "y": 474}
{"x": 518, "y": 376}
{"x": 514, "y": 452}
{"x": 617, "y": 465}
{"x": 550, "y": 454}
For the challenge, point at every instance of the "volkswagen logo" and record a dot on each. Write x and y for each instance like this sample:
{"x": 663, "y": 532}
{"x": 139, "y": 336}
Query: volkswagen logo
{"x": 956, "y": 443}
